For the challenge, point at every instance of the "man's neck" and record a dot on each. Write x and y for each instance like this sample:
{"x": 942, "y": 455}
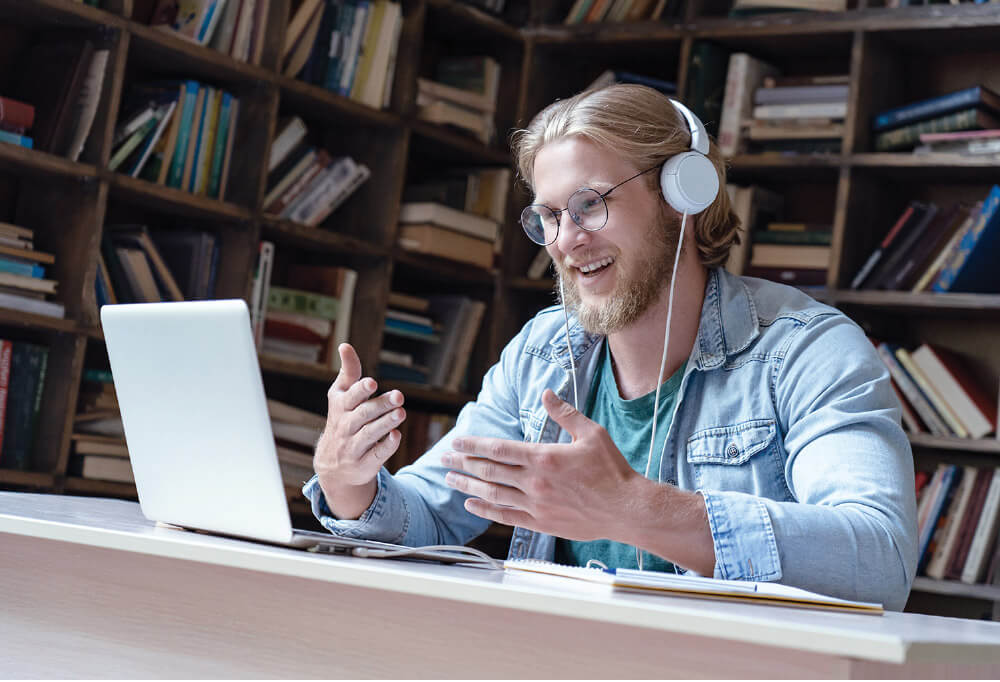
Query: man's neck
{"x": 636, "y": 350}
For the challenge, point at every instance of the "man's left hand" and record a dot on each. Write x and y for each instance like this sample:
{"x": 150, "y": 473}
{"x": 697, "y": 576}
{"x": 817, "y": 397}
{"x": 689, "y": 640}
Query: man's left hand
{"x": 581, "y": 490}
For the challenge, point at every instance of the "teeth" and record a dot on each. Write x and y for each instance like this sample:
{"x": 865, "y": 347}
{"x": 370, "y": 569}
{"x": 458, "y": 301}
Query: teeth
{"x": 590, "y": 267}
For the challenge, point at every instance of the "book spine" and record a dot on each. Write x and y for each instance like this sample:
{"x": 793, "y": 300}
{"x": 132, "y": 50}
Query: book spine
{"x": 949, "y": 272}
{"x": 940, "y": 406}
{"x": 176, "y": 172}
{"x": 219, "y": 146}
{"x": 14, "y": 138}
{"x": 926, "y": 109}
{"x": 985, "y": 535}
{"x": 23, "y": 380}
{"x": 912, "y": 392}
{"x": 303, "y": 302}
{"x": 25, "y": 269}
{"x": 908, "y": 136}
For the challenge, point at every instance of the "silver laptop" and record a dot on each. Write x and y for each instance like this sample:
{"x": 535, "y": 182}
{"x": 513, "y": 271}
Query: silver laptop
{"x": 198, "y": 430}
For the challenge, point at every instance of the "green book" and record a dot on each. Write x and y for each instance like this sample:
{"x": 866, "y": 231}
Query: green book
{"x": 303, "y": 302}
{"x": 908, "y": 137}
{"x": 132, "y": 143}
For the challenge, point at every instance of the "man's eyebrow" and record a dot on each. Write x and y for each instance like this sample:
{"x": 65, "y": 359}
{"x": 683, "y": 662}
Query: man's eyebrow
{"x": 590, "y": 184}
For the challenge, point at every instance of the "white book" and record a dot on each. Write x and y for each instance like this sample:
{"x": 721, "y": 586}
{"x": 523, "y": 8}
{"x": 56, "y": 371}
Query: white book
{"x": 296, "y": 433}
{"x": 164, "y": 122}
{"x": 352, "y": 51}
{"x": 395, "y": 357}
{"x": 125, "y": 130}
{"x": 967, "y": 411}
{"x": 932, "y": 394}
{"x": 342, "y": 326}
{"x": 445, "y": 216}
{"x": 90, "y": 98}
{"x": 466, "y": 98}
{"x": 338, "y": 195}
{"x": 985, "y": 535}
{"x": 108, "y": 468}
{"x": 261, "y": 287}
{"x": 308, "y": 202}
{"x": 744, "y": 76}
{"x": 31, "y": 305}
{"x": 912, "y": 393}
{"x": 809, "y": 110}
{"x": 45, "y": 286}
{"x": 222, "y": 37}
{"x": 293, "y": 133}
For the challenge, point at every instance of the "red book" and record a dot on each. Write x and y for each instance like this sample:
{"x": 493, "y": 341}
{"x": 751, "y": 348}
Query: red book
{"x": 16, "y": 114}
{"x": 921, "y": 478}
{"x": 6, "y": 348}
{"x": 290, "y": 330}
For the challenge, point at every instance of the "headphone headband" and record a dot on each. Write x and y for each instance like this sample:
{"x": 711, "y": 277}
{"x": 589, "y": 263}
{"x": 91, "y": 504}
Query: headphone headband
{"x": 699, "y": 138}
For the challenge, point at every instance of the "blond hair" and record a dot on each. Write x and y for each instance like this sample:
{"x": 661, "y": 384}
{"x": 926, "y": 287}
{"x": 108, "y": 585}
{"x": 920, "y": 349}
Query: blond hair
{"x": 643, "y": 127}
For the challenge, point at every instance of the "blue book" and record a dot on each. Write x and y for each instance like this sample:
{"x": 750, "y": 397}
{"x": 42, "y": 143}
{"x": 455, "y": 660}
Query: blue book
{"x": 202, "y": 124}
{"x": 361, "y": 18}
{"x": 393, "y": 372}
{"x": 976, "y": 96}
{"x": 339, "y": 40}
{"x": 219, "y": 152}
{"x": 13, "y": 138}
{"x": 972, "y": 268}
{"x": 403, "y": 325}
{"x": 938, "y": 505}
{"x": 176, "y": 174}
{"x": 19, "y": 267}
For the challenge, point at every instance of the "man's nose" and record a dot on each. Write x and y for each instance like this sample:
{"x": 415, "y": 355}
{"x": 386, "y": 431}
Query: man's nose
{"x": 571, "y": 235}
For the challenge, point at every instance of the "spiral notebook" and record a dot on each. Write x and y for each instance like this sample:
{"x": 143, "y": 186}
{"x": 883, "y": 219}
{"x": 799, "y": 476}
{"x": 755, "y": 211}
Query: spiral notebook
{"x": 695, "y": 586}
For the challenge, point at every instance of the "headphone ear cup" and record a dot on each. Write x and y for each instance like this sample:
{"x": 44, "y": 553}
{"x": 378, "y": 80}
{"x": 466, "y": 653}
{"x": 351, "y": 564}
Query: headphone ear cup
{"x": 689, "y": 182}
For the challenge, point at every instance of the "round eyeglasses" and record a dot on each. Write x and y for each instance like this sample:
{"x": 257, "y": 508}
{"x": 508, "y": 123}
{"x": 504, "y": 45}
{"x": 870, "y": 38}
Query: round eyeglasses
{"x": 587, "y": 207}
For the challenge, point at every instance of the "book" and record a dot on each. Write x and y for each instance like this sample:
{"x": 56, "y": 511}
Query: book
{"x": 985, "y": 535}
{"x": 188, "y": 256}
{"x": 138, "y": 274}
{"x": 27, "y": 254}
{"x": 443, "y": 216}
{"x": 913, "y": 394}
{"x": 917, "y": 256}
{"x": 937, "y": 503}
{"x": 908, "y": 136}
{"x": 16, "y": 114}
{"x": 289, "y": 414}
{"x": 801, "y": 94}
{"x": 261, "y": 291}
{"x": 84, "y": 108}
{"x": 29, "y": 305}
{"x": 338, "y": 282}
{"x": 834, "y": 110}
{"x": 292, "y": 132}
{"x": 444, "y": 243}
{"x": 19, "y": 140}
{"x": 178, "y": 158}
{"x": 27, "y": 283}
{"x": 466, "y": 98}
{"x": 103, "y": 468}
{"x": 967, "y": 525}
{"x": 139, "y": 236}
{"x": 27, "y": 381}
{"x": 974, "y": 408}
{"x": 913, "y": 233}
{"x": 743, "y": 76}
{"x": 971, "y": 266}
{"x": 943, "y": 551}
{"x": 652, "y": 582}
{"x": 222, "y": 179}
{"x": 539, "y": 264}
{"x": 790, "y": 256}
{"x": 891, "y": 238}
{"x": 297, "y": 53}
{"x": 206, "y": 143}
{"x": 194, "y": 140}
{"x": 151, "y": 141}
{"x": 804, "y": 238}
{"x": 305, "y": 302}
{"x": 977, "y": 96}
{"x": 219, "y": 169}
{"x": 408, "y": 302}
{"x": 810, "y": 129}
{"x": 90, "y": 444}
{"x": 446, "y": 113}
{"x": 933, "y": 396}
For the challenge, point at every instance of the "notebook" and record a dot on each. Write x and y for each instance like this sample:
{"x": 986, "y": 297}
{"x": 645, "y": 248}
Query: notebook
{"x": 198, "y": 431}
{"x": 694, "y": 586}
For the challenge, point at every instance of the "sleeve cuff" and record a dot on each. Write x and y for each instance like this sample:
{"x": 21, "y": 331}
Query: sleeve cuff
{"x": 384, "y": 520}
{"x": 745, "y": 548}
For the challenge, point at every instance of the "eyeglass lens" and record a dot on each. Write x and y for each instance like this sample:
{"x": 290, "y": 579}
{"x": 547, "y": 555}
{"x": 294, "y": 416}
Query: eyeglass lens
{"x": 586, "y": 207}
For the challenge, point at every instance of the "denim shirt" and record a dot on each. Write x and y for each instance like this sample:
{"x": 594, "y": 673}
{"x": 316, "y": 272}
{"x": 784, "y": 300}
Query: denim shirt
{"x": 785, "y": 422}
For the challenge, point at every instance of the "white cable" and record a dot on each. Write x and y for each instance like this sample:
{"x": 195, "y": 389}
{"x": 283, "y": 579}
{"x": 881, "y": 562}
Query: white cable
{"x": 572, "y": 363}
{"x": 663, "y": 361}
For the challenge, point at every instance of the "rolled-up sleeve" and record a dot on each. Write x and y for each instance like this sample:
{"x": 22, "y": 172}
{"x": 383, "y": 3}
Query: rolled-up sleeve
{"x": 852, "y": 530}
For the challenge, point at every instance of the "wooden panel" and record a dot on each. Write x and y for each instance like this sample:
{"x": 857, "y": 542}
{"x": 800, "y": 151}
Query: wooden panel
{"x": 62, "y": 382}
{"x": 879, "y": 87}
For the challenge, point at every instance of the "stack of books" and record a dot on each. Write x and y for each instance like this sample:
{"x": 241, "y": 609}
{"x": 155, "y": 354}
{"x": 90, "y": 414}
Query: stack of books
{"x": 463, "y": 93}
{"x": 763, "y": 111}
{"x": 346, "y": 46}
{"x": 791, "y": 253}
{"x": 23, "y": 367}
{"x": 958, "y": 510}
{"x": 98, "y": 449}
{"x": 296, "y": 432}
{"x": 234, "y": 27}
{"x": 63, "y": 78}
{"x": 23, "y": 282}
{"x": 139, "y": 265}
{"x": 899, "y": 129}
{"x": 593, "y": 11}
{"x": 967, "y": 143}
{"x": 179, "y": 134}
{"x": 16, "y": 120}
{"x": 939, "y": 393}
{"x": 438, "y": 230}
{"x": 305, "y": 184}
{"x": 103, "y": 458}
{"x": 444, "y": 329}
{"x": 940, "y": 249}
{"x": 306, "y": 319}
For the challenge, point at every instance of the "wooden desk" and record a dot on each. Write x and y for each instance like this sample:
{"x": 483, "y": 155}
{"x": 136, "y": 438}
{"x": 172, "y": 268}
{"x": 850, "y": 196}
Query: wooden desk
{"x": 91, "y": 589}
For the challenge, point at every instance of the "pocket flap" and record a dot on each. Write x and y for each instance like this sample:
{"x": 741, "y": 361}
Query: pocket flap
{"x": 730, "y": 444}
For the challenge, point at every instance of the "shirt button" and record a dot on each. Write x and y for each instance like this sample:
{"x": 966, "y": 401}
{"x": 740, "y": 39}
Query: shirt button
{"x": 732, "y": 451}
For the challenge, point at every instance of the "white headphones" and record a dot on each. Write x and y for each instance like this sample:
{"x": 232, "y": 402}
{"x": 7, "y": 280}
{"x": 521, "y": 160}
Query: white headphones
{"x": 689, "y": 181}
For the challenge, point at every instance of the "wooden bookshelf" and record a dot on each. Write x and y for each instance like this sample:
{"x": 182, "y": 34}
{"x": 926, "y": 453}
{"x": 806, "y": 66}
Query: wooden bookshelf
{"x": 892, "y": 55}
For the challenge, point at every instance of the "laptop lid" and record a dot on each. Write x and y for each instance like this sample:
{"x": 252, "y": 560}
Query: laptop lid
{"x": 195, "y": 417}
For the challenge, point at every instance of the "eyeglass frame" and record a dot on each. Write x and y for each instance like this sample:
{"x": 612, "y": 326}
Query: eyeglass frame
{"x": 558, "y": 212}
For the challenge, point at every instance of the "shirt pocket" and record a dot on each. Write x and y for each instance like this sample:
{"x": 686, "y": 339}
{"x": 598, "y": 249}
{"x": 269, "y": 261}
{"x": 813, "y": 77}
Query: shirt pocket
{"x": 742, "y": 457}
{"x": 531, "y": 425}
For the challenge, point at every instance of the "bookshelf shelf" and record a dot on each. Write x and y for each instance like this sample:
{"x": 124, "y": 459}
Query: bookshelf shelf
{"x": 317, "y": 238}
{"x": 304, "y": 370}
{"x": 630, "y": 33}
{"x": 173, "y": 200}
{"x": 34, "y": 479}
{"x": 543, "y": 284}
{"x": 38, "y": 163}
{"x": 451, "y": 146}
{"x": 65, "y": 12}
{"x": 472, "y": 19}
{"x": 426, "y": 394}
{"x": 956, "y": 589}
{"x": 307, "y": 97}
{"x": 440, "y": 269}
{"x": 157, "y": 47}
{"x": 15, "y": 318}
{"x": 929, "y": 166}
{"x": 927, "y": 303}
{"x": 978, "y": 445}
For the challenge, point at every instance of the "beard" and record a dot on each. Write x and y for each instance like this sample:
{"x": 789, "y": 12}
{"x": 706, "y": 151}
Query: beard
{"x": 638, "y": 284}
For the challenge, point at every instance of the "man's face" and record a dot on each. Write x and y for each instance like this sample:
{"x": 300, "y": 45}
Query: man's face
{"x": 633, "y": 253}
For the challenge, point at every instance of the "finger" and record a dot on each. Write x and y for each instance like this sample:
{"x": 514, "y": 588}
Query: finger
{"x": 350, "y": 367}
{"x": 491, "y": 492}
{"x": 371, "y": 410}
{"x": 356, "y": 394}
{"x": 383, "y": 450}
{"x": 564, "y": 414}
{"x": 505, "y": 515}
{"x": 376, "y": 430}
{"x": 485, "y": 469}
{"x": 497, "y": 449}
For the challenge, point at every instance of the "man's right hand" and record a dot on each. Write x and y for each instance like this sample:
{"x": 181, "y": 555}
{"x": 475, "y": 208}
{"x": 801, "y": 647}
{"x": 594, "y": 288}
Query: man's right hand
{"x": 360, "y": 435}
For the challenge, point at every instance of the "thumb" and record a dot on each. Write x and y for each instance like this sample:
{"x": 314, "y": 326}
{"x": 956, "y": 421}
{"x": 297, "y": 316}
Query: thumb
{"x": 564, "y": 414}
{"x": 350, "y": 367}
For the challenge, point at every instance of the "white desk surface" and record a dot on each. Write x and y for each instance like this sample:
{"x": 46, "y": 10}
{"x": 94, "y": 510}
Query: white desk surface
{"x": 891, "y": 638}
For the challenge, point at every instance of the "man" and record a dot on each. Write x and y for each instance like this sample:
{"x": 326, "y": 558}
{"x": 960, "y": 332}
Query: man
{"x": 777, "y": 453}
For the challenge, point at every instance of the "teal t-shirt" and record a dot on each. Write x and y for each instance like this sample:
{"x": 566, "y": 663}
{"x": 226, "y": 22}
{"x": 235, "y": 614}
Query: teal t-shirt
{"x": 629, "y": 423}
